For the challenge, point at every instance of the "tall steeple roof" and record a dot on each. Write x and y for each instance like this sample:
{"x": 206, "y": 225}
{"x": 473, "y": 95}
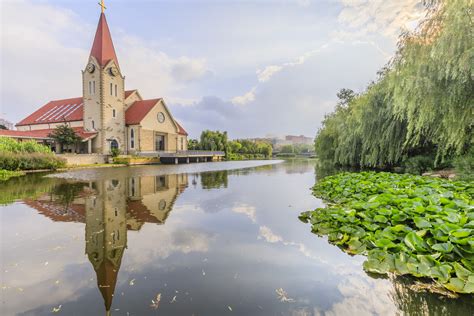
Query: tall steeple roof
{"x": 103, "y": 47}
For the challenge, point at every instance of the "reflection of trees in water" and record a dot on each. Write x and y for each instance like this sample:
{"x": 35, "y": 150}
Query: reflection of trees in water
{"x": 26, "y": 187}
{"x": 299, "y": 165}
{"x": 64, "y": 193}
{"x": 323, "y": 170}
{"x": 411, "y": 302}
{"x": 214, "y": 180}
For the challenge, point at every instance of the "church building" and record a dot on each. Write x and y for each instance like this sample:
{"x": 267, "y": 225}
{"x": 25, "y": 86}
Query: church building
{"x": 106, "y": 116}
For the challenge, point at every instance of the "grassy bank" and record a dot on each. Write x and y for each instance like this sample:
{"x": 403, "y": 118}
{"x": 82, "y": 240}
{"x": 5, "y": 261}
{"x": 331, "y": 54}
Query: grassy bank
{"x": 404, "y": 224}
{"x": 27, "y": 155}
{"x": 7, "y": 174}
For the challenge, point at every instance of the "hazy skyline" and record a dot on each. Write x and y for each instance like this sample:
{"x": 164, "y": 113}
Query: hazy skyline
{"x": 249, "y": 67}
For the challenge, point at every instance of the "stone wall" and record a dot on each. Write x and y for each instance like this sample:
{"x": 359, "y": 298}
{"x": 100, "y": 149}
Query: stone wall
{"x": 147, "y": 140}
{"x": 78, "y": 160}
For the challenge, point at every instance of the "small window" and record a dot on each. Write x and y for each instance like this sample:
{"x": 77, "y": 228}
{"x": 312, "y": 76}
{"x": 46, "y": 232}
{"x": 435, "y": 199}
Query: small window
{"x": 132, "y": 138}
{"x": 111, "y": 88}
{"x": 115, "y": 90}
{"x": 90, "y": 87}
{"x": 93, "y": 87}
{"x": 93, "y": 125}
{"x": 114, "y": 113}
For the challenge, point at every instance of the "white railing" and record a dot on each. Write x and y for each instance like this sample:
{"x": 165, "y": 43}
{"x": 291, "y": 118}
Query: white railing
{"x": 181, "y": 153}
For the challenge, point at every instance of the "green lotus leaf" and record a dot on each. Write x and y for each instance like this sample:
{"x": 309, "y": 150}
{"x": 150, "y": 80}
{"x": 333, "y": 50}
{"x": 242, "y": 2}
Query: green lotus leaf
{"x": 460, "y": 233}
{"x": 421, "y": 222}
{"x": 415, "y": 242}
{"x": 380, "y": 219}
{"x": 443, "y": 247}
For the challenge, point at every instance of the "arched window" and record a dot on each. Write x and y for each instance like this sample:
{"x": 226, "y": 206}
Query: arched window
{"x": 114, "y": 144}
{"x": 132, "y": 138}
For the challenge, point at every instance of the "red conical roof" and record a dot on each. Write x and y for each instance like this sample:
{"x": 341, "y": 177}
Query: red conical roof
{"x": 103, "y": 47}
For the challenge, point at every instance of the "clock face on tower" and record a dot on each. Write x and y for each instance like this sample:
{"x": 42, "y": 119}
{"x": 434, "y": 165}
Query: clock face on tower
{"x": 161, "y": 117}
{"x": 90, "y": 67}
{"x": 113, "y": 71}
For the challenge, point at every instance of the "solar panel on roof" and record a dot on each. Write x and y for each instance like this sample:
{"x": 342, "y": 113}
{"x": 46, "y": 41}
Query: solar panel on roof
{"x": 72, "y": 110}
{"x": 59, "y": 113}
{"x": 41, "y": 117}
{"x": 52, "y": 113}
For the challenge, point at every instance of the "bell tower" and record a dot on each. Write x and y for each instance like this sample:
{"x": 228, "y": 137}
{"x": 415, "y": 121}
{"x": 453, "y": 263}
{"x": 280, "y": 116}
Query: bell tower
{"x": 103, "y": 89}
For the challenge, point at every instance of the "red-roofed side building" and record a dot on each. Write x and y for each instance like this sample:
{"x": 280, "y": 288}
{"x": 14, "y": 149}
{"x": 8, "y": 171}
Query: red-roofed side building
{"x": 106, "y": 116}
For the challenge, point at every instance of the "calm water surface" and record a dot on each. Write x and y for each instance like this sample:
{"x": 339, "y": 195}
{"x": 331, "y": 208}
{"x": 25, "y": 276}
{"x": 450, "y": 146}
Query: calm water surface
{"x": 199, "y": 239}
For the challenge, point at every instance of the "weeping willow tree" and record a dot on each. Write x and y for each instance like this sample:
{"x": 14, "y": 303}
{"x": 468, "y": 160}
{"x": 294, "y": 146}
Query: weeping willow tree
{"x": 422, "y": 101}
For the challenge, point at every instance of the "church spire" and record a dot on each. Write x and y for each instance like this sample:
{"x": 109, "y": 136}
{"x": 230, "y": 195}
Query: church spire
{"x": 103, "y": 47}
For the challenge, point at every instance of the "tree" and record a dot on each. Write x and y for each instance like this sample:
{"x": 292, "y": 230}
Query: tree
{"x": 265, "y": 149}
{"x": 3, "y": 127}
{"x": 287, "y": 149}
{"x": 345, "y": 97}
{"x": 213, "y": 140}
{"x": 64, "y": 135}
{"x": 420, "y": 104}
{"x": 193, "y": 144}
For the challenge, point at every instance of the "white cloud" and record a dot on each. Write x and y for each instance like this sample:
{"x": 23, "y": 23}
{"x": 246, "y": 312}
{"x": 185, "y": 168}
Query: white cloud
{"x": 267, "y": 234}
{"x": 44, "y": 47}
{"x": 245, "y": 98}
{"x": 381, "y": 16}
{"x": 247, "y": 210}
{"x": 268, "y": 72}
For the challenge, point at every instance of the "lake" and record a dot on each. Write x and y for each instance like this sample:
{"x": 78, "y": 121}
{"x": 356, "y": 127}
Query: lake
{"x": 201, "y": 239}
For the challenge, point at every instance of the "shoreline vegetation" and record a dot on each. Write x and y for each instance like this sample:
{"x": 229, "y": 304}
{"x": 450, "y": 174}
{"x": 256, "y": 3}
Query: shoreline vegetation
{"x": 404, "y": 224}
{"x": 417, "y": 116}
{"x": 21, "y": 156}
{"x": 238, "y": 149}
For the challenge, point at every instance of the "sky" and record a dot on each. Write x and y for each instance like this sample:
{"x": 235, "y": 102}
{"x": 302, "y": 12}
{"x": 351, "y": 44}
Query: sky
{"x": 252, "y": 68}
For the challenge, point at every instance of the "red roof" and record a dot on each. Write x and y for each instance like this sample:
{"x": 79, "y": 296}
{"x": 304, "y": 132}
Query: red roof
{"x": 58, "y": 111}
{"x": 43, "y": 133}
{"x": 181, "y": 130}
{"x": 138, "y": 110}
{"x": 129, "y": 92}
{"x": 103, "y": 47}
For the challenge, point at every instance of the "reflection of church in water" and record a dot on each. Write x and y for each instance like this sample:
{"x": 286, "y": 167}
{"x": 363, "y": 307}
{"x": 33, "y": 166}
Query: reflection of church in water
{"x": 109, "y": 208}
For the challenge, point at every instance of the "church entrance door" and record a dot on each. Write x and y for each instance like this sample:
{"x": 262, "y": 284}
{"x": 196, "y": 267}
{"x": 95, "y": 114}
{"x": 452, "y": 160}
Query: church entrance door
{"x": 159, "y": 142}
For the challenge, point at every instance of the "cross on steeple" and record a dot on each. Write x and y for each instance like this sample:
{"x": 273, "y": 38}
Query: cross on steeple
{"x": 102, "y": 5}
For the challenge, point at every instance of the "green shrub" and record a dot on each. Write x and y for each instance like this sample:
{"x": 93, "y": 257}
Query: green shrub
{"x": 464, "y": 166}
{"x": 115, "y": 152}
{"x": 286, "y": 155}
{"x": 12, "y": 146}
{"x": 30, "y": 161}
{"x": 7, "y": 174}
{"x": 418, "y": 164}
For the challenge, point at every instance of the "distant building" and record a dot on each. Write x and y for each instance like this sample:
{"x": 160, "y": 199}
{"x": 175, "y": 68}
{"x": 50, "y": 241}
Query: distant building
{"x": 299, "y": 139}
